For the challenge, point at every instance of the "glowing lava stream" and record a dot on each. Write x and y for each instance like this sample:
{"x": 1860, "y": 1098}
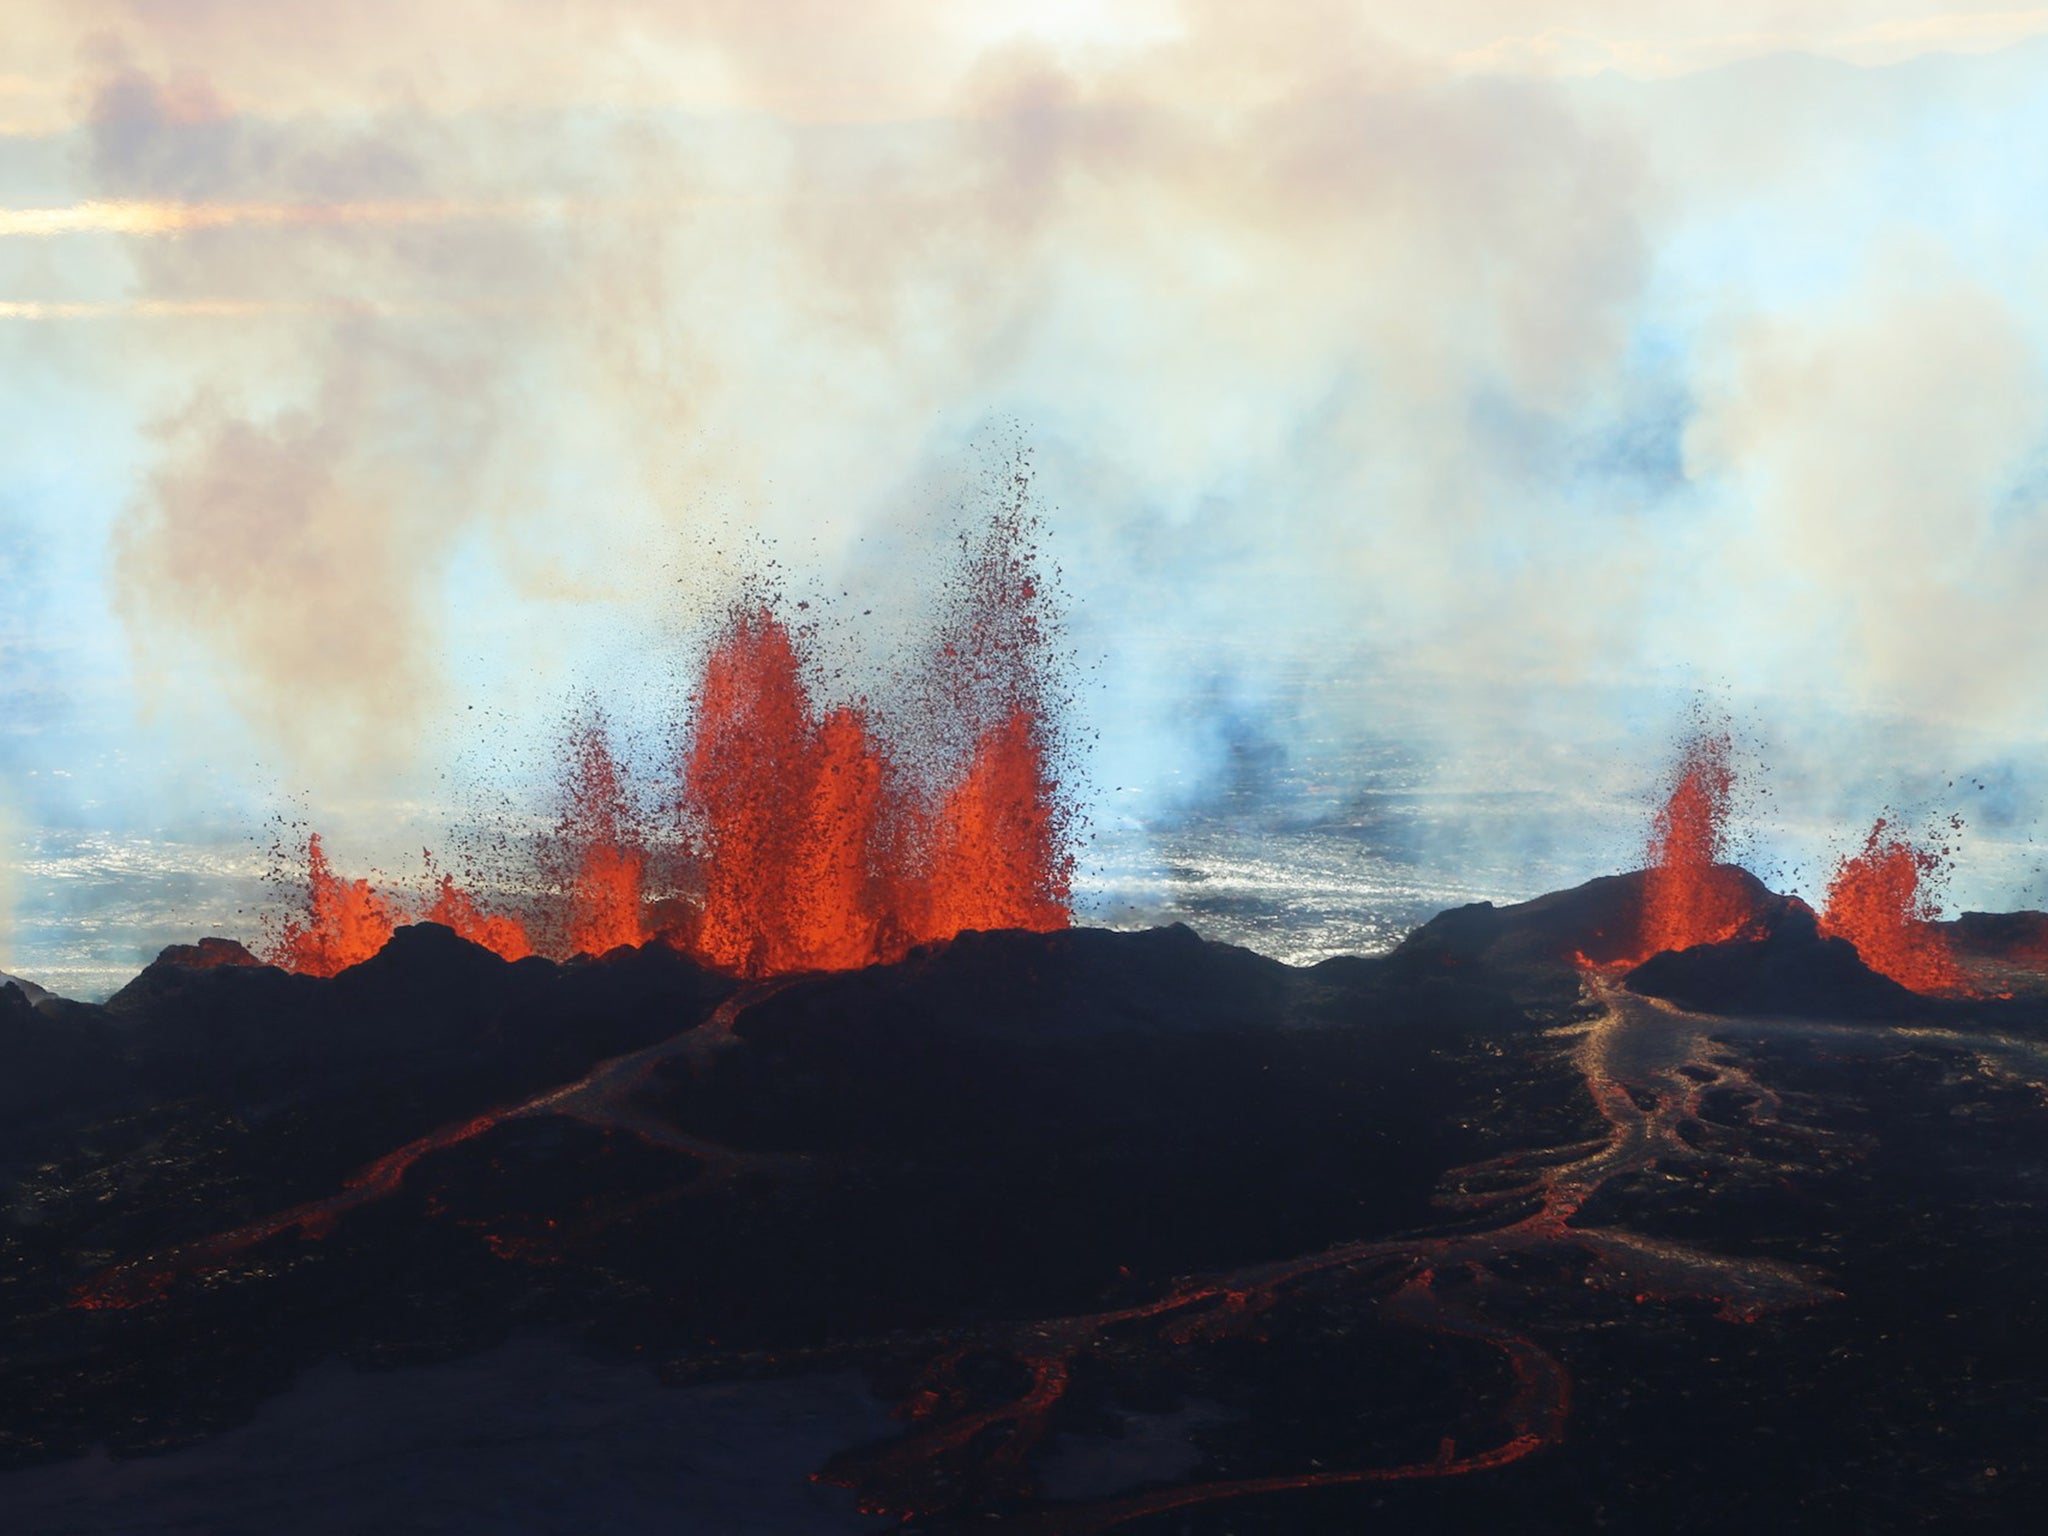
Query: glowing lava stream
{"x": 602, "y": 1097}
{"x": 1647, "y": 1064}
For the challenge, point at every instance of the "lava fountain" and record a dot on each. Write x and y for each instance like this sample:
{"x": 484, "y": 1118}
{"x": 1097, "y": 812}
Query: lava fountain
{"x": 996, "y": 843}
{"x": 344, "y": 923}
{"x": 453, "y": 907}
{"x": 1690, "y": 896}
{"x": 597, "y": 860}
{"x": 809, "y": 835}
{"x": 786, "y": 808}
{"x": 1884, "y": 899}
{"x": 828, "y": 840}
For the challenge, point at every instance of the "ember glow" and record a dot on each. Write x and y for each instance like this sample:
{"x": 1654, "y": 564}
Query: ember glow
{"x": 806, "y": 837}
{"x": 1884, "y": 899}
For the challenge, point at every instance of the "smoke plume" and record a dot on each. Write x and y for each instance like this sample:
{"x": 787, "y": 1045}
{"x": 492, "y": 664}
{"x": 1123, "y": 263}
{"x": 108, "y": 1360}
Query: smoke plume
{"x": 1464, "y": 390}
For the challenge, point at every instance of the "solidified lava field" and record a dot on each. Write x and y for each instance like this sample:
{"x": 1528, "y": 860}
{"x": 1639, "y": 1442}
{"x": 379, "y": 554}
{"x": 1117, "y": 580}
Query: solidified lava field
{"x": 1129, "y": 1231}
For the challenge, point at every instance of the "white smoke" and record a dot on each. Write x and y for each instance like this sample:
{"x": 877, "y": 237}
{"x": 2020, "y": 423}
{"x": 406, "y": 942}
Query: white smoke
{"x": 1417, "y": 413}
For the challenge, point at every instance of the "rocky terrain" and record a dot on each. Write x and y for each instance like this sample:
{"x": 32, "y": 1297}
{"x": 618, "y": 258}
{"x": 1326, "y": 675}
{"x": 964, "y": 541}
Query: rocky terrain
{"x": 1055, "y": 1232}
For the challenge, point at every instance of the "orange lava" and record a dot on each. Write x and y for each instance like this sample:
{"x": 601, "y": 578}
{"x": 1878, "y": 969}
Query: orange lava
{"x": 1884, "y": 899}
{"x": 848, "y": 888}
{"x": 818, "y": 855}
{"x": 993, "y": 838}
{"x": 606, "y": 865}
{"x": 811, "y": 835}
{"x": 997, "y": 859}
{"x": 825, "y": 842}
{"x": 1690, "y": 896}
{"x": 455, "y": 908}
{"x": 786, "y": 808}
{"x": 345, "y": 922}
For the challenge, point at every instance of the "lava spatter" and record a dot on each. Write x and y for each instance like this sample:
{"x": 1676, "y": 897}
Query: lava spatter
{"x": 788, "y": 811}
{"x": 811, "y": 835}
{"x": 994, "y": 834}
{"x": 598, "y": 858}
{"x": 344, "y": 922}
{"x": 1884, "y": 898}
{"x": 1690, "y": 895}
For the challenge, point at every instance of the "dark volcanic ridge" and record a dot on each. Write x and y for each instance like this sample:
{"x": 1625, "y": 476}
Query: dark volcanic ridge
{"x": 1454, "y": 1236}
{"x": 1780, "y": 963}
{"x": 28, "y": 989}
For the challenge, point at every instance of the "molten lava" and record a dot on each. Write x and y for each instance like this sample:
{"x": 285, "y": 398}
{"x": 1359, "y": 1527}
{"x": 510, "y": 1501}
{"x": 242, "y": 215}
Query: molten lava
{"x": 812, "y": 837}
{"x": 849, "y": 888}
{"x": 994, "y": 838}
{"x": 453, "y": 907}
{"x": 818, "y": 854}
{"x": 1689, "y": 895}
{"x": 786, "y": 809}
{"x": 1884, "y": 900}
{"x": 345, "y": 922}
{"x": 603, "y": 864}
{"x": 996, "y": 858}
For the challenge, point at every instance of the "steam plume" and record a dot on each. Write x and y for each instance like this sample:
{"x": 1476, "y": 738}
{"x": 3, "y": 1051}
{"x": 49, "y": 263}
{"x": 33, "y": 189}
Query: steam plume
{"x": 1395, "y": 382}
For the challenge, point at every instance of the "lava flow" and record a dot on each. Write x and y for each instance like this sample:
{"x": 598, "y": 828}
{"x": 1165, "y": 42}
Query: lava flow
{"x": 1649, "y": 1068}
{"x": 1884, "y": 899}
{"x": 809, "y": 837}
{"x": 606, "y": 1097}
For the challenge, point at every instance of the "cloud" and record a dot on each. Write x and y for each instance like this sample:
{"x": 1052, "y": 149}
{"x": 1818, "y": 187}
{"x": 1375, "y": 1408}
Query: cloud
{"x": 1876, "y": 449}
{"x": 281, "y": 565}
{"x": 817, "y": 61}
{"x": 277, "y": 548}
{"x": 162, "y": 218}
{"x": 1666, "y": 43}
{"x": 1356, "y": 344}
{"x": 1280, "y": 254}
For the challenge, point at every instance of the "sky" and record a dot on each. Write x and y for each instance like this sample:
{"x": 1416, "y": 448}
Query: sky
{"x": 1481, "y": 388}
